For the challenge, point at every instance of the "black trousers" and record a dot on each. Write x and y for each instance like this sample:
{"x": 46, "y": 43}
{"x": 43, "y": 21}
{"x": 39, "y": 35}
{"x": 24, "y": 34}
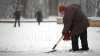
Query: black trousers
{"x": 83, "y": 38}
{"x": 17, "y": 19}
{"x": 38, "y": 22}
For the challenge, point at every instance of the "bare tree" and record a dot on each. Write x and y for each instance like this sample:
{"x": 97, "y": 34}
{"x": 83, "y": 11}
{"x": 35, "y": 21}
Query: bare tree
{"x": 80, "y": 2}
{"x": 46, "y": 8}
{"x": 65, "y": 2}
{"x": 23, "y": 9}
{"x": 35, "y": 6}
{"x": 87, "y": 7}
{"x": 98, "y": 8}
{"x": 18, "y": 4}
{"x": 53, "y": 7}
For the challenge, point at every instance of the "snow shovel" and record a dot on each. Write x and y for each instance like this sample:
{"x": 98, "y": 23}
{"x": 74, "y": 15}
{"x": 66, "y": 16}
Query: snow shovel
{"x": 53, "y": 49}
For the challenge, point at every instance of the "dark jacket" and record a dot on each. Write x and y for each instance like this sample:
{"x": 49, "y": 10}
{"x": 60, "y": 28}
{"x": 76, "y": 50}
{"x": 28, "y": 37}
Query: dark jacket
{"x": 39, "y": 16}
{"x": 17, "y": 14}
{"x": 75, "y": 20}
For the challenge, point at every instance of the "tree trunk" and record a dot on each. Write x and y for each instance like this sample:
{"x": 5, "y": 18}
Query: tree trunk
{"x": 80, "y": 3}
{"x": 98, "y": 5}
{"x": 18, "y": 4}
{"x": 87, "y": 7}
{"x": 53, "y": 7}
{"x": 23, "y": 9}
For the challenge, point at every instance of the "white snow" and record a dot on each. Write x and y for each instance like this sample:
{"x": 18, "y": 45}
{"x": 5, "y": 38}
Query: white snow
{"x": 32, "y": 39}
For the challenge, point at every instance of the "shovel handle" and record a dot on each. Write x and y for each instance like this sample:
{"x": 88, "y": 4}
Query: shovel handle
{"x": 57, "y": 42}
{"x": 54, "y": 46}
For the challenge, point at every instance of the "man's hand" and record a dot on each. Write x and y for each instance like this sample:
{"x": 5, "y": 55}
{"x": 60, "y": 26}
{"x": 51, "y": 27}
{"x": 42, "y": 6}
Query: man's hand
{"x": 66, "y": 36}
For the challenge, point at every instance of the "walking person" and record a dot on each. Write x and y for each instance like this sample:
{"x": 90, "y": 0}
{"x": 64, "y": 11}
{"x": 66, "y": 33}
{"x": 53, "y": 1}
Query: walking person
{"x": 39, "y": 16}
{"x": 75, "y": 22}
{"x": 17, "y": 16}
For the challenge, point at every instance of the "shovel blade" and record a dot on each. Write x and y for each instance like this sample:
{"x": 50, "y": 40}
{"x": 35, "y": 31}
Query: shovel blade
{"x": 51, "y": 51}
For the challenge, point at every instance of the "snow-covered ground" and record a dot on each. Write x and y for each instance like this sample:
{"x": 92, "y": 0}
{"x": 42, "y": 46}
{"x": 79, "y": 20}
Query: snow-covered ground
{"x": 32, "y": 39}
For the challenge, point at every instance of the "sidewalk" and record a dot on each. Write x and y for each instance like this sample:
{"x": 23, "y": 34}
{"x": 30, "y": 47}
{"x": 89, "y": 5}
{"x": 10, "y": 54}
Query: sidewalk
{"x": 9, "y": 20}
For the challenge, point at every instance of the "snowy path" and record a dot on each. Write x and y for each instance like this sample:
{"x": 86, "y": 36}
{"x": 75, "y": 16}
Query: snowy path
{"x": 31, "y": 39}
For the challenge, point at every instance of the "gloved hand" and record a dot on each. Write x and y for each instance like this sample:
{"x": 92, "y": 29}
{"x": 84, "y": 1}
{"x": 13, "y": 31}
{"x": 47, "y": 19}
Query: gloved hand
{"x": 66, "y": 36}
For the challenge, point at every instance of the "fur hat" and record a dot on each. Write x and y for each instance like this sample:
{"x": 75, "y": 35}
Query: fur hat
{"x": 62, "y": 8}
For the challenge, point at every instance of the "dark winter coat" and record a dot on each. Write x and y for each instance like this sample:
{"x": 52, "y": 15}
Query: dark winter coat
{"x": 17, "y": 14}
{"x": 39, "y": 16}
{"x": 75, "y": 20}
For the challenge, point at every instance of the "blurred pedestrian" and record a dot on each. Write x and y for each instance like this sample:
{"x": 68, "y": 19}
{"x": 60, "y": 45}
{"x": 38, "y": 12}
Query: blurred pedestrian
{"x": 75, "y": 22}
{"x": 39, "y": 16}
{"x": 17, "y": 16}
